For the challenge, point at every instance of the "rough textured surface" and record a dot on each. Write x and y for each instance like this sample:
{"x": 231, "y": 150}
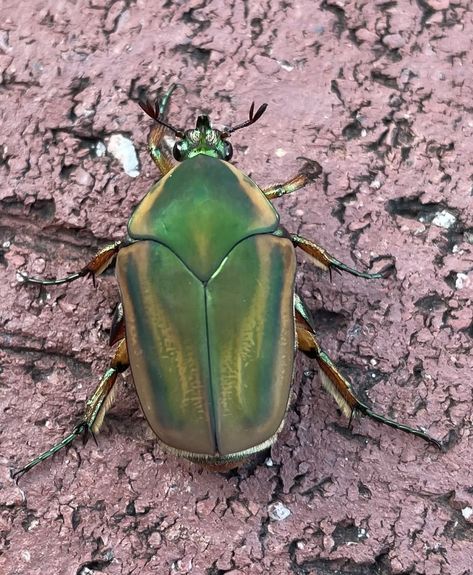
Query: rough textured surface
{"x": 380, "y": 94}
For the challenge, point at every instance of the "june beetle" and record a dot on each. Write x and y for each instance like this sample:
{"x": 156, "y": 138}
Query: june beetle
{"x": 209, "y": 319}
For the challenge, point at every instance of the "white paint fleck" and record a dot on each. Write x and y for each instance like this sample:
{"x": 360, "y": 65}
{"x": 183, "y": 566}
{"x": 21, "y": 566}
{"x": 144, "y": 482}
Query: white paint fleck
{"x": 280, "y": 153}
{"x": 278, "y": 511}
{"x": 286, "y": 65}
{"x": 26, "y": 555}
{"x": 444, "y": 219}
{"x": 124, "y": 151}
{"x": 461, "y": 280}
{"x": 467, "y": 512}
{"x": 33, "y": 524}
{"x": 100, "y": 149}
{"x": 419, "y": 230}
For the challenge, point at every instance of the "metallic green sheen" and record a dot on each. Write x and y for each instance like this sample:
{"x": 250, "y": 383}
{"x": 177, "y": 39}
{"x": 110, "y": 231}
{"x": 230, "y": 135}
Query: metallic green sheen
{"x": 200, "y": 210}
{"x": 251, "y": 331}
{"x": 212, "y": 361}
{"x": 164, "y": 307}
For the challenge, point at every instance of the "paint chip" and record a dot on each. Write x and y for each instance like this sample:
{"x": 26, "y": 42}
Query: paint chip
{"x": 124, "y": 151}
{"x": 100, "y": 149}
{"x": 460, "y": 280}
{"x": 444, "y": 219}
{"x": 278, "y": 512}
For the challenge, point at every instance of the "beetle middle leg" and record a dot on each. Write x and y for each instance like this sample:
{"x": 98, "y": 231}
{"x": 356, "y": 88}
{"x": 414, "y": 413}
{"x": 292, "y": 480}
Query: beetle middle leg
{"x": 95, "y": 408}
{"x": 312, "y": 171}
{"x": 97, "y": 265}
{"x": 334, "y": 382}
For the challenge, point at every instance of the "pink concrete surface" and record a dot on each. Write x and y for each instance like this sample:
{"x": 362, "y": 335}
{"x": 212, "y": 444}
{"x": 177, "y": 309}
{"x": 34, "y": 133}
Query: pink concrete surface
{"x": 380, "y": 93}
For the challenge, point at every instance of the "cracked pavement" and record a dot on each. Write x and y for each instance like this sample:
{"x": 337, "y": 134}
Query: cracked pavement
{"x": 379, "y": 93}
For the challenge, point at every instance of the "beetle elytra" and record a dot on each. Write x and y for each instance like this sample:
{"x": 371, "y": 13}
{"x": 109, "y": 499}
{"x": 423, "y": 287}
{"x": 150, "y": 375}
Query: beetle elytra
{"x": 209, "y": 319}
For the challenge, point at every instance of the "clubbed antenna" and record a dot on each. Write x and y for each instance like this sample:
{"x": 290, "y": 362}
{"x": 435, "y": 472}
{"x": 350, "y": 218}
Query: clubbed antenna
{"x": 252, "y": 118}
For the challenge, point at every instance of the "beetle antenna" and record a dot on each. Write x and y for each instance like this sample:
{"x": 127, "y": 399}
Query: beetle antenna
{"x": 153, "y": 112}
{"x": 252, "y": 118}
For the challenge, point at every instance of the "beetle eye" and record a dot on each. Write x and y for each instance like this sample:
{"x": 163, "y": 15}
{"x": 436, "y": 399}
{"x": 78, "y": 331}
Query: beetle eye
{"x": 176, "y": 151}
{"x": 227, "y": 151}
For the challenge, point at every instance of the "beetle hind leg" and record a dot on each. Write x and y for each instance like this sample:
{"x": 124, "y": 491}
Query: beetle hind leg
{"x": 102, "y": 398}
{"x": 98, "y": 264}
{"x": 334, "y": 382}
{"x": 96, "y": 407}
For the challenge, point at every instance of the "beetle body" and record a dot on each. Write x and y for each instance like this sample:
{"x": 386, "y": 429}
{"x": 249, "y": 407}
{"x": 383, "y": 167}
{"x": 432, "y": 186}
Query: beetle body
{"x": 209, "y": 319}
{"x": 207, "y": 288}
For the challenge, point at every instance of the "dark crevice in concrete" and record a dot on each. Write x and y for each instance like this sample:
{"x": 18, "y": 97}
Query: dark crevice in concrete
{"x": 413, "y": 208}
{"x": 346, "y": 532}
{"x": 318, "y": 489}
{"x": 96, "y": 565}
{"x": 427, "y": 12}
{"x": 343, "y": 202}
{"x": 387, "y": 81}
{"x": 340, "y": 20}
{"x": 430, "y": 303}
{"x": 197, "y": 55}
{"x": 40, "y": 209}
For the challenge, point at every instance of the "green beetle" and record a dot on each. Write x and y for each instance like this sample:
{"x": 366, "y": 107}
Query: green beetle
{"x": 209, "y": 321}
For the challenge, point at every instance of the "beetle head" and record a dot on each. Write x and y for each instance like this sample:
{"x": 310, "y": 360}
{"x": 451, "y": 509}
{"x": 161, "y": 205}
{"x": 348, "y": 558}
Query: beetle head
{"x": 203, "y": 139}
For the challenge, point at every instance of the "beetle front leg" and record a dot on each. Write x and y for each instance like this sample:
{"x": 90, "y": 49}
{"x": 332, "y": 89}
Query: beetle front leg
{"x": 95, "y": 409}
{"x": 98, "y": 264}
{"x": 277, "y": 190}
{"x": 322, "y": 259}
{"x": 160, "y": 156}
{"x": 334, "y": 382}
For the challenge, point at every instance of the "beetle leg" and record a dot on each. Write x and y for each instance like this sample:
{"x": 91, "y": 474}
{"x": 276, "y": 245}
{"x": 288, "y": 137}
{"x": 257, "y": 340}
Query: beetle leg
{"x": 117, "y": 330}
{"x": 334, "y": 382}
{"x": 160, "y": 156}
{"x": 325, "y": 261}
{"x": 312, "y": 171}
{"x": 98, "y": 264}
{"x": 96, "y": 407}
{"x": 102, "y": 398}
{"x": 278, "y": 190}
